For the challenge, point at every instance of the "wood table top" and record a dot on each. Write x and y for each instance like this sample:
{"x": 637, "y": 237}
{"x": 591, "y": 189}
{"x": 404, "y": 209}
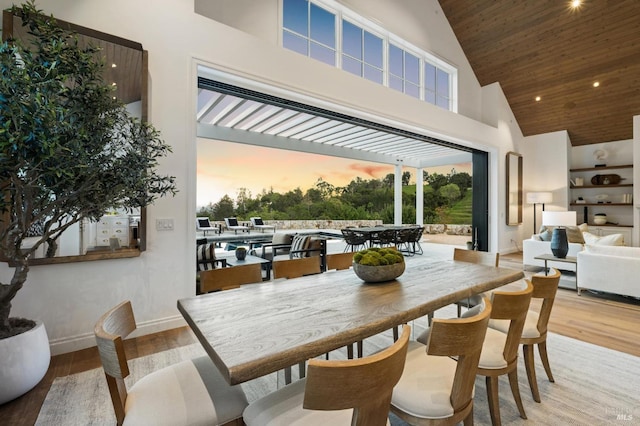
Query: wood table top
{"x": 255, "y": 330}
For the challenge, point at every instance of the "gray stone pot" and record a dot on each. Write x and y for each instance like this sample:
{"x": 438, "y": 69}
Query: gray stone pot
{"x": 377, "y": 274}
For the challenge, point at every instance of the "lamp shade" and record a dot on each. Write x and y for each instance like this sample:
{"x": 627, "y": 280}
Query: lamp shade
{"x": 539, "y": 197}
{"x": 559, "y": 218}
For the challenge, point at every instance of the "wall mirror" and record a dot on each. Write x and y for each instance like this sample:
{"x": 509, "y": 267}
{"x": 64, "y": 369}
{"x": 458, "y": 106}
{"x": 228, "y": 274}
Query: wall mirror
{"x": 126, "y": 67}
{"x": 514, "y": 189}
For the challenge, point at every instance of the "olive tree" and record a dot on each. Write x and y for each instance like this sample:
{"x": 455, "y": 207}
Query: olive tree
{"x": 68, "y": 149}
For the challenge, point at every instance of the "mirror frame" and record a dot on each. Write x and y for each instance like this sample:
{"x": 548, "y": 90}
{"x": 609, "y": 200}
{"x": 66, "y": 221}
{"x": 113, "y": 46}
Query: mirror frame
{"x": 513, "y": 193}
{"x": 8, "y": 20}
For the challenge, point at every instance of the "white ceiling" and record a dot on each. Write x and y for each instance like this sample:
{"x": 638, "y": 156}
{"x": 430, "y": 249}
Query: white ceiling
{"x": 223, "y": 116}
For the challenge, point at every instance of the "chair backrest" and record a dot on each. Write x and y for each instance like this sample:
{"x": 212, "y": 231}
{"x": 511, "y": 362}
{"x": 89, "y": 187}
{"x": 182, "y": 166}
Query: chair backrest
{"x": 384, "y": 237}
{"x": 340, "y": 260}
{"x": 294, "y": 268}
{"x": 364, "y": 384}
{"x": 545, "y": 287}
{"x": 110, "y": 330}
{"x": 228, "y": 278}
{"x": 512, "y": 306}
{"x": 354, "y": 237}
{"x": 473, "y": 256}
{"x": 461, "y": 338}
{"x": 203, "y": 223}
{"x": 205, "y": 256}
{"x": 256, "y": 221}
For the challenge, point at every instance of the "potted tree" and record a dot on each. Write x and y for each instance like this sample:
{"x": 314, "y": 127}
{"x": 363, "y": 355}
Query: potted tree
{"x": 68, "y": 151}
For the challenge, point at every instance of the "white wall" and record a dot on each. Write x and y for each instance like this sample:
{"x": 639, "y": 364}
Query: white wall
{"x": 69, "y": 298}
{"x": 545, "y": 160}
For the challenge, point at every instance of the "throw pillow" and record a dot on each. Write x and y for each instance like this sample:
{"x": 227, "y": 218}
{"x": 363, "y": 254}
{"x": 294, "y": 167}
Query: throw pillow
{"x": 280, "y": 238}
{"x": 607, "y": 240}
{"x": 206, "y": 254}
{"x": 299, "y": 243}
{"x": 258, "y": 221}
{"x": 232, "y": 221}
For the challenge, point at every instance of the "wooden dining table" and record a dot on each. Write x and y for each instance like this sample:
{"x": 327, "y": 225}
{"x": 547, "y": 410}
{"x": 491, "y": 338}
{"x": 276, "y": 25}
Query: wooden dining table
{"x": 259, "y": 329}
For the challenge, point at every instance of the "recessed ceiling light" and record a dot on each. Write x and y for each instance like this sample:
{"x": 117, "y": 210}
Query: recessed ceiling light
{"x": 538, "y": 98}
{"x": 113, "y": 65}
{"x": 596, "y": 83}
{"x": 575, "y": 3}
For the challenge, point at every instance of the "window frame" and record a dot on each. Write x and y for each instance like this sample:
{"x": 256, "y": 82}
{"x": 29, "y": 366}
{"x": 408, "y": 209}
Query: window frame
{"x": 342, "y": 14}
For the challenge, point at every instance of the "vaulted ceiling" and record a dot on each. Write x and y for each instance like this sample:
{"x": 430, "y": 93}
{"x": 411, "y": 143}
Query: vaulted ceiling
{"x": 544, "y": 48}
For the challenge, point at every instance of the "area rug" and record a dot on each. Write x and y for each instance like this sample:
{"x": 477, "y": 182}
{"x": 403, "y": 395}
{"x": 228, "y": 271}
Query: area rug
{"x": 593, "y": 386}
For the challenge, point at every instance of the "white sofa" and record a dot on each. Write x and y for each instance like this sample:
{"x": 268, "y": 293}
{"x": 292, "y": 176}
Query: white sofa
{"x": 611, "y": 269}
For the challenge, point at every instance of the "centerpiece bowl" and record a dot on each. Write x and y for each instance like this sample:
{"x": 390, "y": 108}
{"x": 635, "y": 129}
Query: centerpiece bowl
{"x": 376, "y": 265}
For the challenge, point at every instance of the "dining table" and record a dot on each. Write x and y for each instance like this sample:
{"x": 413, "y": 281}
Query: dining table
{"x": 255, "y": 330}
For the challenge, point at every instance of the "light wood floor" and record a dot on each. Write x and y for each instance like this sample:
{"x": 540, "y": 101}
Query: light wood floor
{"x": 609, "y": 322}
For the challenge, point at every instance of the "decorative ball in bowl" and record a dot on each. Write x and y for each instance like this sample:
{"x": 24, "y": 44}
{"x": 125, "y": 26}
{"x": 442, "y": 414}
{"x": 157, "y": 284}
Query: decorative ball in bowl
{"x": 377, "y": 265}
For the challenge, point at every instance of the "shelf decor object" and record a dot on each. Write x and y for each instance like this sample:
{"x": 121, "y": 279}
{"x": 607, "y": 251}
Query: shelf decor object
{"x": 538, "y": 198}
{"x": 559, "y": 220}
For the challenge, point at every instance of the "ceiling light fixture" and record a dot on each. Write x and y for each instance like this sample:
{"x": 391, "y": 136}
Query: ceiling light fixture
{"x": 596, "y": 83}
{"x": 113, "y": 65}
{"x": 575, "y": 3}
{"x": 538, "y": 98}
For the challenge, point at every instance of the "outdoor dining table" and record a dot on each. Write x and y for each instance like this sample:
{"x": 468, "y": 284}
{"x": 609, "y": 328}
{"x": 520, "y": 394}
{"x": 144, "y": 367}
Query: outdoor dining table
{"x": 256, "y": 330}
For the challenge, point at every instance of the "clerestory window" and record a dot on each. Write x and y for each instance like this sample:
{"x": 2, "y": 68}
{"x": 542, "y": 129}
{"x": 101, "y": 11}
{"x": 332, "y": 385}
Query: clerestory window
{"x": 329, "y": 32}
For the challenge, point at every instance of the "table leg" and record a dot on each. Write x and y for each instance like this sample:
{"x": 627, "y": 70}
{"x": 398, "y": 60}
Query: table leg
{"x": 546, "y": 269}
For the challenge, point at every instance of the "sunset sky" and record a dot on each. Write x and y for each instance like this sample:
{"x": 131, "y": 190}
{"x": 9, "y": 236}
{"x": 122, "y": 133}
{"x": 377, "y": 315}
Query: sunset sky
{"x": 225, "y": 167}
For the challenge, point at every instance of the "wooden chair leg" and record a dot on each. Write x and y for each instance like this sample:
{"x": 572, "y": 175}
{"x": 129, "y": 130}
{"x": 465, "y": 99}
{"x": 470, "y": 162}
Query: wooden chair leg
{"x": 515, "y": 390}
{"x": 287, "y": 375}
{"x": 468, "y": 421}
{"x": 542, "y": 349}
{"x": 494, "y": 400}
{"x": 531, "y": 371}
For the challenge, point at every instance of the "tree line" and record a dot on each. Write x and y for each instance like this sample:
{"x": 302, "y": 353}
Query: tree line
{"x": 361, "y": 199}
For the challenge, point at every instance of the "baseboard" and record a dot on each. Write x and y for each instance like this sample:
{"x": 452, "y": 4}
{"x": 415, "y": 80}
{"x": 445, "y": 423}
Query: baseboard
{"x": 87, "y": 340}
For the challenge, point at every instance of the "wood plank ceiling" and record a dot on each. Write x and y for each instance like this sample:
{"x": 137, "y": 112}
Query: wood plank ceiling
{"x": 544, "y": 48}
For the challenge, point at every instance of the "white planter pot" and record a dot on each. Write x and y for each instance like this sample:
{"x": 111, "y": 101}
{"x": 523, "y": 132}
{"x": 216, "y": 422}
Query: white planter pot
{"x": 24, "y": 360}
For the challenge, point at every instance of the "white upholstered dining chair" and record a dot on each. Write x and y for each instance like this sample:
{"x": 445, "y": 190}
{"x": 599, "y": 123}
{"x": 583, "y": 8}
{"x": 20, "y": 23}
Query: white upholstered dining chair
{"x": 434, "y": 388}
{"x": 343, "y": 392}
{"x": 190, "y": 392}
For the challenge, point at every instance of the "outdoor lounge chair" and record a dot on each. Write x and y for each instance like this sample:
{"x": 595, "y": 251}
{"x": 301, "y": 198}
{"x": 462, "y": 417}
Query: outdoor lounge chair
{"x": 232, "y": 225}
{"x": 204, "y": 225}
{"x": 257, "y": 223}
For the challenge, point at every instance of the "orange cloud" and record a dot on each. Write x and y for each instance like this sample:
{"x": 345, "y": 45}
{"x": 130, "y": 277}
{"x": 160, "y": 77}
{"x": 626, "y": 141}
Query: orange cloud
{"x": 372, "y": 170}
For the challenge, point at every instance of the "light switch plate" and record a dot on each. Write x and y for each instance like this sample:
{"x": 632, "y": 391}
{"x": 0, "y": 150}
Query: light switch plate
{"x": 164, "y": 224}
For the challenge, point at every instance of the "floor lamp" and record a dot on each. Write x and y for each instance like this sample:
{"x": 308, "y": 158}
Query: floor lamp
{"x": 538, "y": 198}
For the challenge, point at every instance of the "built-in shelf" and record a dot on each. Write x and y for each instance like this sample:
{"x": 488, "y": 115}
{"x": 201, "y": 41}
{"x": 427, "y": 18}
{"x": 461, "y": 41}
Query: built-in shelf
{"x": 601, "y": 204}
{"x": 620, "y": 185}
{"x": 592, "y": 169}
{"x": 610, "y": 225}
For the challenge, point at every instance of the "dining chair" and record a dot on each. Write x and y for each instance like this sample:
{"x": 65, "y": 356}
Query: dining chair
{"x": 474, "y": 256}
{"x": 294, "y": 268}
{"x": 340, "y": 261}
{"x": 228, "y": 278}
{"x": 354, "y": 239}
{"x": 383, "y": 238}
{"x": 434, "y": 388}
{"x": 191, "y": 392}
{"x": 341, "y": 392}
{"x": 500, "y": 349}
{"x": 402, "y": 241}
{"x": 534, "y": 332}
